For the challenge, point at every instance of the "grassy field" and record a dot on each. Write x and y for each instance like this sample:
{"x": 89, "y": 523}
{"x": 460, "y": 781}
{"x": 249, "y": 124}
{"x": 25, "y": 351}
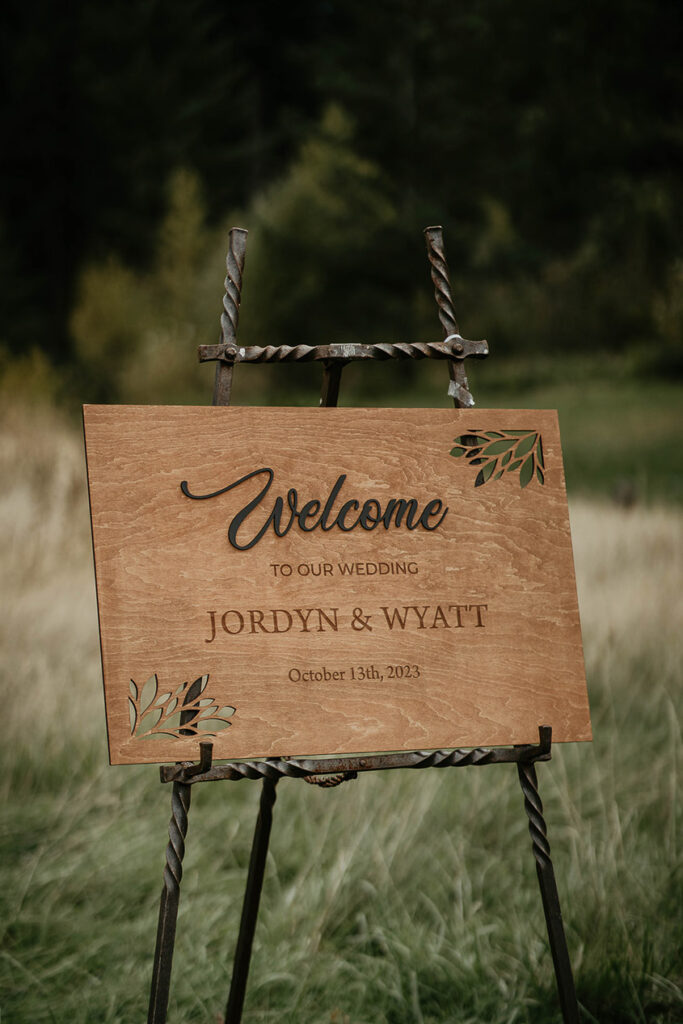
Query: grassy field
{"x": 400, "y": 897}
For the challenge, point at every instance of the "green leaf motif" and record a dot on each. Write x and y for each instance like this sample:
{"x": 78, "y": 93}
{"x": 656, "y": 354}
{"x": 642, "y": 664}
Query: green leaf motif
{"x": 517, "y": 450}
{"x": 182, "y": 713}
{"x": 498, "y": 447}
{"x": 539, "y": 453}
{"x": 525, "y": 445}
{"x": 526, "y": 472}
{"x": 484, "y": 474}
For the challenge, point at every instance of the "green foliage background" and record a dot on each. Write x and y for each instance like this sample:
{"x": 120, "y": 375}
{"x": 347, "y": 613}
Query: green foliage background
{"x": 545, "y": 137}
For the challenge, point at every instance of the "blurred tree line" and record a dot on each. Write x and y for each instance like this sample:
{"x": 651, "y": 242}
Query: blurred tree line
{"x": 546, "y": 138}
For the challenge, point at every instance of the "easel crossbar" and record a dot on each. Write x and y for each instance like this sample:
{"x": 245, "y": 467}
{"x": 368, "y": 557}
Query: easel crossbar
{"x": 453, "y": 347}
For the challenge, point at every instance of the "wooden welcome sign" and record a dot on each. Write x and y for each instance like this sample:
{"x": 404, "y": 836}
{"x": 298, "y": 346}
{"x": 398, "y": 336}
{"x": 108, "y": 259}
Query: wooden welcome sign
{"x": 340, "y": 581}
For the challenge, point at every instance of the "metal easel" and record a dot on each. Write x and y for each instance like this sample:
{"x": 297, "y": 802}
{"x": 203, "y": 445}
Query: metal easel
{"x": 333, "y": 771}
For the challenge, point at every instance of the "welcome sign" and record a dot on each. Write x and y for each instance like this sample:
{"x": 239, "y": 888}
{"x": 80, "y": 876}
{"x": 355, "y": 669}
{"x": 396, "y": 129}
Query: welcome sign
{"x": 328, "y": 581}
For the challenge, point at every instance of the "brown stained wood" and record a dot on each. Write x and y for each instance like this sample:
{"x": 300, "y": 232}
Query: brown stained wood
{"x": 313, "y": 658}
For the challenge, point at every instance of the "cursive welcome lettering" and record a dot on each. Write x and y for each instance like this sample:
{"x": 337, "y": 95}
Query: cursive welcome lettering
{"x": 285, "y": 512}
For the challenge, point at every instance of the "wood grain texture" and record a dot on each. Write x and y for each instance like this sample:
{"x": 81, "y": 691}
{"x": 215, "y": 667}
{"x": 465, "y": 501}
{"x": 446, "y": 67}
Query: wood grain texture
{"x": 312, "y": 657}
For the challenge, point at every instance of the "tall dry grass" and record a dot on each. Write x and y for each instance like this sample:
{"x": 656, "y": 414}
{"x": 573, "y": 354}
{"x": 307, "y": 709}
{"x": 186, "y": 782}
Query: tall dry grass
{"x": 48, "y": 619}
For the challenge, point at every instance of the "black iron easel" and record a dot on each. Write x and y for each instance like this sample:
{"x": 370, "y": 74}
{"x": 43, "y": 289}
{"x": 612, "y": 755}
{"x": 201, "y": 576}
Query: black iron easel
{"x": 332, "y": 771}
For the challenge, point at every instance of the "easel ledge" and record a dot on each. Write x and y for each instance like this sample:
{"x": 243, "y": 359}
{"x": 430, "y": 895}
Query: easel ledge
{"x": 190, "y": 772}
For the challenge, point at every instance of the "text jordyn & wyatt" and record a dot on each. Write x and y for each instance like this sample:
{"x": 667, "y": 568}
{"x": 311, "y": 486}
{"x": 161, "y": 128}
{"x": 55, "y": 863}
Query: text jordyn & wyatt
{"x": 234, "y": 622}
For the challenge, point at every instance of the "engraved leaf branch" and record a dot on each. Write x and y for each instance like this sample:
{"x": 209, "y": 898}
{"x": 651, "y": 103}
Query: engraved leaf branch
{"x": 502, "y": 451}
{"x": 154, "y": 714}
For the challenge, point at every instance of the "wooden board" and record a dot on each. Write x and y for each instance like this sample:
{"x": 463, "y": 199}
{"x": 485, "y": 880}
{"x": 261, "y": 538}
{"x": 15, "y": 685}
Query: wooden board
{"x": 421, "y": 593}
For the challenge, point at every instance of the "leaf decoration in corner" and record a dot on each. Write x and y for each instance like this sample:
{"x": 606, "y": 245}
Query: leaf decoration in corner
{"x": 187, "y": 711}
{"x": 502, "y": 451}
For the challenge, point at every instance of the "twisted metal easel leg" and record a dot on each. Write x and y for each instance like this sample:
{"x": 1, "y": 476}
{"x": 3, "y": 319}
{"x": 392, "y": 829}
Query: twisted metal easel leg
{"x": 252, "y": 897}
{"x": 459, "y": 389}
{"x": 259, "y": 849}
{"x": 549, "y": 895}
{"x": 168, "y": 907}
{"x": 234, "y": 266}
{"x": 173, "y": 872}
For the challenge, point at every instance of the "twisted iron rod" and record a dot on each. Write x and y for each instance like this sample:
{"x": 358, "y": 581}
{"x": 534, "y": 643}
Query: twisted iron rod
{"x": 170, "y": 893}
{"x": 234, "y": 265}
{"x": 453, "y": 347}
{"x": 168, "y": 905}
{"x": 533, "y": 805}
{"x": 459, "y": 387}
{"x": 549, "y": 894}
{"x": 439, "y": 272}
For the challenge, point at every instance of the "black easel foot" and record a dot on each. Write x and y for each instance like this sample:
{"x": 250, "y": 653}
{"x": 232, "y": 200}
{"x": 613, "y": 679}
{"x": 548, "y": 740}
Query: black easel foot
{"x": 549, "y": 895}
{"x": 168, "y": 907}
{"x": 252, "y": 897}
